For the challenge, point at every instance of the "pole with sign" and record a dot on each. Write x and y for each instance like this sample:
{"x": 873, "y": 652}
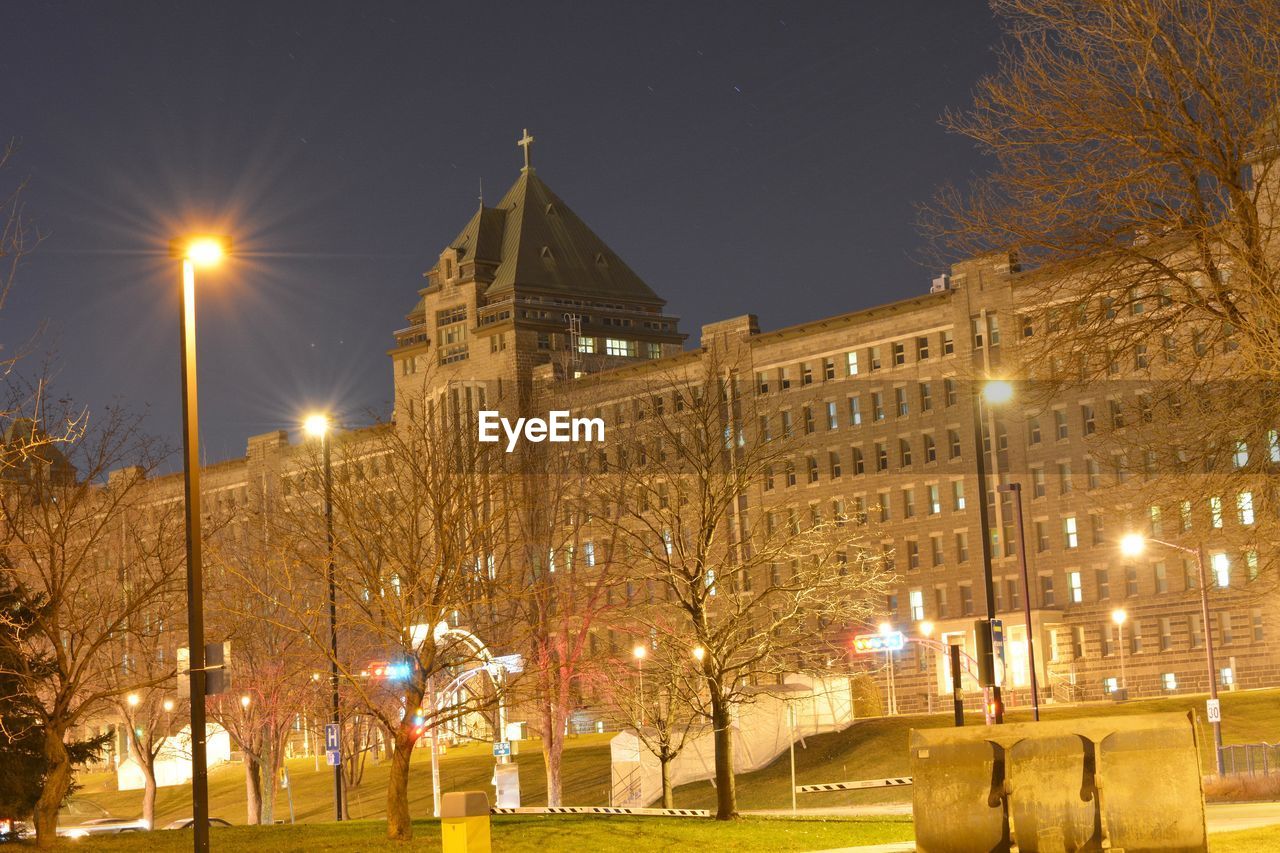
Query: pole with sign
{"x": 332, "y": 747}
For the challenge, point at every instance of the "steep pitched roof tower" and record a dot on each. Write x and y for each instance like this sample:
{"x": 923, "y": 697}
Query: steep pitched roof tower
{"x": 526, "y": 288}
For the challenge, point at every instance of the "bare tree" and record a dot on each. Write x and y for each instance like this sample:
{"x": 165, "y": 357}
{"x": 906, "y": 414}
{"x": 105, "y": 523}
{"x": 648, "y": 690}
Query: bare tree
{"x": 416, "y": 530}
{"x": 61, "y": 514}
{"x": 660, "y": 700}
{"x": 760, "y": 590}
{"x": 1134, "y": 187}
{"x": 149, "y": 710}
{"x": 559, "y": 584}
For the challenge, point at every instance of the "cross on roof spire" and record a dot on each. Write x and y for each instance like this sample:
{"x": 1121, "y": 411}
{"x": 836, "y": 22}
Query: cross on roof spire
{"x": 526, "y": 142}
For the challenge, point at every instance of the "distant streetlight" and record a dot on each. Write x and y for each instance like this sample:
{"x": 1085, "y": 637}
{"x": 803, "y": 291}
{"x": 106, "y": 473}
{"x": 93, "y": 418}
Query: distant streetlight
{"x": 996, "y": 392}
{"x": 885, "y": 630}
{"x": 699, "y": 653}
{"x": 639, "y": 653}
{"x": 1132, "y": 545}
{"x": 245, "y": 701}
{"x": 318, "y": 426}
{"x": 926, "y": 631}
{"x": 1118, "y": 616}
{"x": 168, "y": 706}
{"x": 195, "y": 252}
{"x": 133, "y": 700}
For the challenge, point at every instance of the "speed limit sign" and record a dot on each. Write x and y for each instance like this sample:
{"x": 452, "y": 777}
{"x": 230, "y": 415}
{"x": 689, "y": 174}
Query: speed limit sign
{"x": 1213, "y": 710}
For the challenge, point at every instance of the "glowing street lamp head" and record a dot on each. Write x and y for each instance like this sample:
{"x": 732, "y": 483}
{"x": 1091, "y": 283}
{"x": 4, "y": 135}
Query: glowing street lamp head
{"x": 1118, "y": 616}
{"x": 168, "y": 706}
{"x": 133, "y": 700}
{"x": 1132, "y": 544}
{"x": 885, "y": 628}
{"x": 998, "y": 391}
{"x": 926, "y": 629}
{"x": 639, "y": 652}
{"x": 245, "y": 700}
{"x": 201, "y": 251}
{"x": 699, "y": 653}
{"x": 316, "y": 426}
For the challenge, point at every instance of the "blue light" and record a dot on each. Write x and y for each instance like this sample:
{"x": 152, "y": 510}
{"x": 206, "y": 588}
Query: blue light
{"x": 398, "y": 671}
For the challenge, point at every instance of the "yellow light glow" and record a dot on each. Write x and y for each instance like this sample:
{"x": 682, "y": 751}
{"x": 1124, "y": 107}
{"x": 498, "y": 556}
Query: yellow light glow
{"x": 1118, "y": 616}
{"x": 1132, "y": 544}
{"x": 699, "y": 653}
{"x": 639, "y": 652}
{"x": 885, "y": 628}
{"x": 205, "y": 251}
{"x": 998, "y": 391}
{"x": 168, "y": 705}
{"x": 133, "y": 700}
{"x": 926, "y": 629}
{"x": 316, "y": 426}
{"x": 245, "y": 700}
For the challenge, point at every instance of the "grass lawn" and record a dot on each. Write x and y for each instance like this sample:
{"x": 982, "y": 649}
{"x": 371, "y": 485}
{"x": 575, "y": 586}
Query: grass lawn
{"x": 877, "y": 747}
{"x": 538, "y": 835}
{"x": 873, "y": 748}
{"x": 584, "y": 772}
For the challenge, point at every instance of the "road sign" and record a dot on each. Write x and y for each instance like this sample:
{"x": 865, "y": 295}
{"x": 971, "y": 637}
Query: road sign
{"x": 997, "y": 637}
{"x": 331, "y": 735}
{"x": 333, "y": 757}
{"x": 891, "y": 642}
{"x": 501, "y": 748}
{"x": 1213, "y": 710}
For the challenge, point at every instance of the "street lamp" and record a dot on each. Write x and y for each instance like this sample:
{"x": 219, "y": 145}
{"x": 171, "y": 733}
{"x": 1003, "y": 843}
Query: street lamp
{"x": 885, "y": 630}
{"x": 1118, "y": 616}
{"x": 926, "y": 631}
{"x": 1133, "y": 544}
{"x": 995, "y": 392}
{"x": 191, "y": 253}
{"x": 318, "y": 426}
{"x": 245, "y": 701}
{"x": 133, "y": 700}
{"x": 639, "y": 653}
{"x": 699, "y": 653}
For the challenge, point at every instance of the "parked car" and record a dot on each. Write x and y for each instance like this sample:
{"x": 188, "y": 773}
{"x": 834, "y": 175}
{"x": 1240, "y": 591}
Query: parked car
{"x": 187, "y": 822}
{"x": 80, "y": 818}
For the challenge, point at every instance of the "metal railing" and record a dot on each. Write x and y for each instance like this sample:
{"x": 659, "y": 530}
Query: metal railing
{"x": 1251, "y": 759}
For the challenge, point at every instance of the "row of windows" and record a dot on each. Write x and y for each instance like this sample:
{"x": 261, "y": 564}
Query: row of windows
{"x": 857, "y": 362}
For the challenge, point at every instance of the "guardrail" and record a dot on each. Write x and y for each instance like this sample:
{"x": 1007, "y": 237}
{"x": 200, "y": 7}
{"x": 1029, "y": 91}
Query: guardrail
{"x": 603, "y": 810}
{"x": 891, "y": 782}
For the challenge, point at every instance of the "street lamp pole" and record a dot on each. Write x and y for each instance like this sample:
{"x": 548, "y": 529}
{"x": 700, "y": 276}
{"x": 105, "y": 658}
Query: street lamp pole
{"x": 335, "y": 708}
{"x": 1016, "y": 490}
{"x": 1208, "y": 651}
{"x": 639, "y": 652}
{"x": 1118, "y": 616}
{"x": 1132, "y": 545}
{"x": 204, "y": 251}
{"x": 984, "y": 527}
{"x": 319, "y": 427}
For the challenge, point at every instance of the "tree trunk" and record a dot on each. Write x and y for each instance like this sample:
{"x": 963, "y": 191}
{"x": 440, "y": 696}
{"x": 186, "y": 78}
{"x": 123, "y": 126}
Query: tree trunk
{"x": 252, "y": 791}
{"x": 268, "y": 775}
{"x": 726, "y": 796}
{"x": 147, "y": 764}
{"x": 668, "y": 793}
{"x": 552, "y": 751}
{"x": 398, "y": 826}
{"x": 149, "y": 794}
{"x": 57, "y": 782}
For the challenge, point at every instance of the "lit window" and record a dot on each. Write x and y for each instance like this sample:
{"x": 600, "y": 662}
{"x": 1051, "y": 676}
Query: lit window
{"x": 1221, "y": 565}
{"x": 1070, "y": 534}
{"x": 617, "y": 346}
{"x": 917, "y": 605}
{"x": 1169, "y": 680}
{"x": 1077, "y": 592}
{"x": 1241, "y": 457}
{"x": 1215, "y": 508}
{"x": 1244, "y": 505}
{"x": 587, "y": 345}
{"x": 851, "y": 359}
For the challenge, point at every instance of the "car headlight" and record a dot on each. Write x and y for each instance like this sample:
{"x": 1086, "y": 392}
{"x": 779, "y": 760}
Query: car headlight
{"x": 76, "y": 833}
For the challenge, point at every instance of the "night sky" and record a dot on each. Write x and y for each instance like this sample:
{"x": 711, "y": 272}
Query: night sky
{"x": 742, "y": 157}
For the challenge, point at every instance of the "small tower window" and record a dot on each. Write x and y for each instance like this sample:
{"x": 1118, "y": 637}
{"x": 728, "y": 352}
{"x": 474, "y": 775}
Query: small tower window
{"x": 602, "y": 261}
